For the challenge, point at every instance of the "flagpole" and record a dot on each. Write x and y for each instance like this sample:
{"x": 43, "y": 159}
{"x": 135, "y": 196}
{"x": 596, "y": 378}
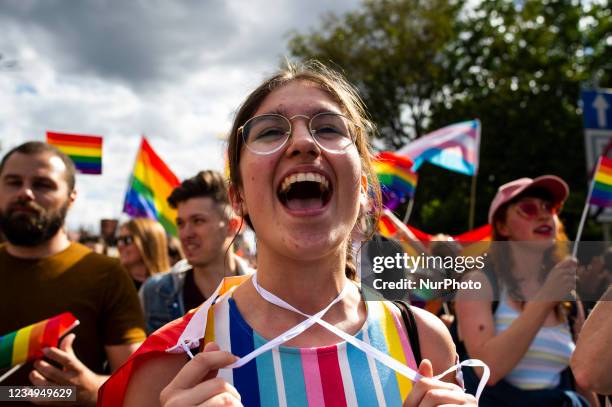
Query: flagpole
{"x": 472, "y": 203}
{"x": 10, "y": 372}
{"x": 583, "y": 219}
{"x": 408, "y": 210}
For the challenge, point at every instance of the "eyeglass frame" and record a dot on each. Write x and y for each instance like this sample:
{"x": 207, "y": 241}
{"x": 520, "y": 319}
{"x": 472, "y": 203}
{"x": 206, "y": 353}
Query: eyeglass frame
{"x": 289, "y": 133}
{"x": 125, "y": 240}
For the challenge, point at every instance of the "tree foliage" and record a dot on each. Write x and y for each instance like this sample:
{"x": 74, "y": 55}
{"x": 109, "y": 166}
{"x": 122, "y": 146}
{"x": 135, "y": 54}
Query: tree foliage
{"x": 518, "y": 66}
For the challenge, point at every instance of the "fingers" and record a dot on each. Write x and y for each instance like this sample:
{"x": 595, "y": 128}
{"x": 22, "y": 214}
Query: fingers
{"x": 198, "y": 368}
{"x": 425, "y": 368}
{"x": 52, "y": 373}
{"x": 428, "y": 389}
{"x": 210, "y": 346}
{"x": 441, "y": 397}
{"x": 38, "y": 379}
{"x": 204, "y": 393}
{"x": 66, "y": 344}
{"x": 65, "y": 358}
{"x": 222, "y": 400}
{"x": 196, "y": 382}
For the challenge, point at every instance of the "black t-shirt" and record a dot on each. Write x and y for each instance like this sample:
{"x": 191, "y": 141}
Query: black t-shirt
{"x": 192, "y": 297}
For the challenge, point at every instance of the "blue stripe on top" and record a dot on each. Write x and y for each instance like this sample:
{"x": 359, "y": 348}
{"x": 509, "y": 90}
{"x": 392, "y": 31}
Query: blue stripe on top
{"x": 265, "y": 375}
{"x": 358, "y": 362}
{"x": 246, "y": 380}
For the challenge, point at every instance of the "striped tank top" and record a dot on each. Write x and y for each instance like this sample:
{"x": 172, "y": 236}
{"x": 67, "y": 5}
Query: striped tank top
{"x": 548, "y": 355}
{"x": 336, "y": 375}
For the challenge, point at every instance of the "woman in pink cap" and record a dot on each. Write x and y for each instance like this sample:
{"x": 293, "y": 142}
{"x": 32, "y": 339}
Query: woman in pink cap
{"x": 519, "y": 324}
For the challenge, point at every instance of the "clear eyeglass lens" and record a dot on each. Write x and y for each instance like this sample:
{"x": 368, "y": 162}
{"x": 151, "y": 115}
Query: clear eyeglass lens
{"x": 267, "y": 133}
{"x": 331, "y": 131}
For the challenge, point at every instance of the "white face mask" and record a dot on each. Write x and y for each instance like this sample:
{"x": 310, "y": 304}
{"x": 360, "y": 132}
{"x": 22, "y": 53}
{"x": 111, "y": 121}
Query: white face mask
{"x": 190, "y": 338}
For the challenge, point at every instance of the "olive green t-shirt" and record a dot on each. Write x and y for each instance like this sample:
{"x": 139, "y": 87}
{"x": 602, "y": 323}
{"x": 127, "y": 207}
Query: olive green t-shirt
{"x": 95, "y": 288}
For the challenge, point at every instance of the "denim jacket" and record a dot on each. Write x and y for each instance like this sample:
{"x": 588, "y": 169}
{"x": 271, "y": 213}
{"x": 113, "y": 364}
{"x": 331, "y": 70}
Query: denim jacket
{"x": 161, "y": 296}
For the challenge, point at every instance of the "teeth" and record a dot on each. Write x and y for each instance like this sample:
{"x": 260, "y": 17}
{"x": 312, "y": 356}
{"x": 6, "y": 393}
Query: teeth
{"x": 304, "y": 176}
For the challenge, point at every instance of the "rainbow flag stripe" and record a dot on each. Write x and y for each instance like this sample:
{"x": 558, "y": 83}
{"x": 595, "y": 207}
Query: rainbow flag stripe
{"x": 150, "y": 185}
{"x": 85, "y": 151}
{"x": 396, "y": 179}
{"x": 602, "y": 184}
{"x": 27, "y": 343}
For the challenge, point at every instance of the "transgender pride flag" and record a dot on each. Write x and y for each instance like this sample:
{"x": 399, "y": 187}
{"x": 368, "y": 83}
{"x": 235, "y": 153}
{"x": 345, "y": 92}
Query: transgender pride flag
{"x": 455, "y": 147}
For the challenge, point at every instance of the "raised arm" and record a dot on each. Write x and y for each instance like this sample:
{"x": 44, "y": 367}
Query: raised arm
{"x": 592, "y": 358}
{"x": 477, "y": 330}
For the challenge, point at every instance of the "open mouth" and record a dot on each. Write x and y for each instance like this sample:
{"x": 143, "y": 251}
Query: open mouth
{"x": 304, "y": 191}
{"x": 544, "y": 229}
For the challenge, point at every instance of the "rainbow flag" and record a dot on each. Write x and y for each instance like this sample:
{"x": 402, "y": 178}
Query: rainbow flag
{"x": 455, "y": 147}
{"x": 27, "y": 343}
{"x": 150, "y": 185}
{"x": 396, "y": 179}
{"x": 476, "y": 241}
{"x": 601, "y": 194}
{"x": 85, "y": 151}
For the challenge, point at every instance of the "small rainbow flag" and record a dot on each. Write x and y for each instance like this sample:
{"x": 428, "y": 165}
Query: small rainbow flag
{"x": 150, "y": 185}
{"x": 27, "y": 343}
{"x": 396, "y": 179}
{"x": 85, "y": 151}
{"x": 602, "y": 184}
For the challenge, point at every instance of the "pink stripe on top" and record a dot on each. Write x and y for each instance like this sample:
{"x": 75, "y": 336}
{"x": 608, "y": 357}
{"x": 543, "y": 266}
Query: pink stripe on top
{"x": 408, "y": 353}
{"x": 312, "y": 377}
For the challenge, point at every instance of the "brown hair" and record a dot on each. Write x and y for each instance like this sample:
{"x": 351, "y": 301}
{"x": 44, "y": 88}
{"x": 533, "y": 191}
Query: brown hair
{"x": 38, "y": 147}
{"x": 340, "y": 91}
{"x": 205, "y": 184}
{"x": 150, "y": 238}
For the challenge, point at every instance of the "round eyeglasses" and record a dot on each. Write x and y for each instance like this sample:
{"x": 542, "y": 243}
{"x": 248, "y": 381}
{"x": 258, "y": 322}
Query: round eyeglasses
{"x": 268, "y": 133}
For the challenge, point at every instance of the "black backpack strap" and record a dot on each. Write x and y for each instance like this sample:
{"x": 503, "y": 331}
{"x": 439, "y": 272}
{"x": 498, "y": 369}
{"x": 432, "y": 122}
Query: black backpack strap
{"x": 411, "y": 329}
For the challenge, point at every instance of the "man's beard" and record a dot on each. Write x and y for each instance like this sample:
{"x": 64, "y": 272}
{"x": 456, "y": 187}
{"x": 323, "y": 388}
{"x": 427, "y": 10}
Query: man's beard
{"x": 31, "y": 228}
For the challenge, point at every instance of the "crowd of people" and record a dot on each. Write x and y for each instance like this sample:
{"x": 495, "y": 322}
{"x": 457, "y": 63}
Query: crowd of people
{"x": 185, "y": 320}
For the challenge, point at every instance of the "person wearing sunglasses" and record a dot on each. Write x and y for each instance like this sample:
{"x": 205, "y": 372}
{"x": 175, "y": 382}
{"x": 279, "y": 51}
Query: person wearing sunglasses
{"x": 143, "y": 249}
{"x": 521, "y": 325}
{"x": 300, "y": 181}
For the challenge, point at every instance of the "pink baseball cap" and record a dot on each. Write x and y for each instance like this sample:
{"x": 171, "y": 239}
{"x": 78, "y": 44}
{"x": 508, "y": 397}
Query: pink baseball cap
{"x": 553, "y": 184}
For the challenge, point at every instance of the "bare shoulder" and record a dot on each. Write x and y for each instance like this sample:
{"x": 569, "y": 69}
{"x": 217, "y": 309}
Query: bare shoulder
{"x": 150, "y": 377}
{"x": 435, "y": 340}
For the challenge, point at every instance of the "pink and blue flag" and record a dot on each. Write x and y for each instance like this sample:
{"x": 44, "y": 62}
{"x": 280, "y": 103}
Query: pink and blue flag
{"x": 455, "y": 147}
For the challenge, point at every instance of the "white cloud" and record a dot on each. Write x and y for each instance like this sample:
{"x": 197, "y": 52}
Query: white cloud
{"x": 175, "y": 71}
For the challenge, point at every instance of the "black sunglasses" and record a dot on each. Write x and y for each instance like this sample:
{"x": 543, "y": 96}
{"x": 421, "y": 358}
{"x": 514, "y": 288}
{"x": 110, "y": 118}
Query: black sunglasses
{"x": 124, "y": 240}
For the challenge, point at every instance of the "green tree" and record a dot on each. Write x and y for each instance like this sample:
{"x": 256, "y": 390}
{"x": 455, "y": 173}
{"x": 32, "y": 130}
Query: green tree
{"x": 394, "y": 51}
{"x": 518, "y": 66}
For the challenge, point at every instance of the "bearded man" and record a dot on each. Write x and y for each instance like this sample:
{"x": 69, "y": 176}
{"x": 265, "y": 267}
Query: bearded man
{"x": 43, "y": 274}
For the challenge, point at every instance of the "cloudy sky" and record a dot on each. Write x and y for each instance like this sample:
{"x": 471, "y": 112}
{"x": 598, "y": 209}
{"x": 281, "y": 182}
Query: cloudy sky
{"x": 172, "y": 70}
